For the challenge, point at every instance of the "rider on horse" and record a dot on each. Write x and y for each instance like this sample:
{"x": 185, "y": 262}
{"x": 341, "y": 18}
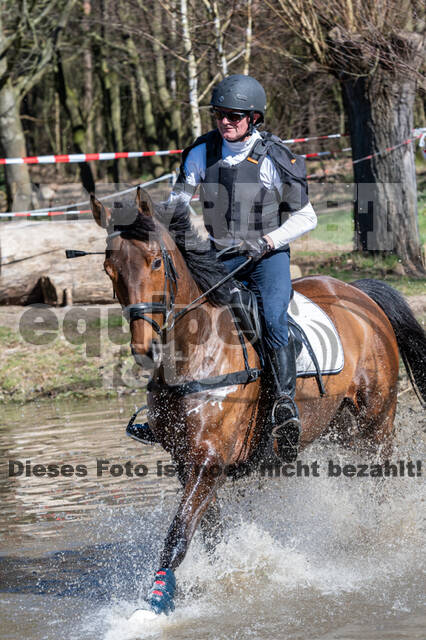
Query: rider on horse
{"x": 254, "y": 196}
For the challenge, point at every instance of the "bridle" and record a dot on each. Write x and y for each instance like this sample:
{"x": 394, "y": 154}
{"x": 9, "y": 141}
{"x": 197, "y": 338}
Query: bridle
{"x": 166, "y": 308}
{"x": 143, "y": 310}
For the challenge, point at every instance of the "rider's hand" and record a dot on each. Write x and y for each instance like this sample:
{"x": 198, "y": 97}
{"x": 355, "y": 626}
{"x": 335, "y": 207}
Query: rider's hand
{"x": 256, "y": 248}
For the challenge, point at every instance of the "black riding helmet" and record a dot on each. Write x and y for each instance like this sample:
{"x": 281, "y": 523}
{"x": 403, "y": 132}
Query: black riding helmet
{"x": 242, "y": 93}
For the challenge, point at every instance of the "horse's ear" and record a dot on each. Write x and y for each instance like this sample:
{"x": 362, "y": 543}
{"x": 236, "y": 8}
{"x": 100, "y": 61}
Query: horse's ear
{"x": 144, "y": 203}
{"x": 100, "y": 213}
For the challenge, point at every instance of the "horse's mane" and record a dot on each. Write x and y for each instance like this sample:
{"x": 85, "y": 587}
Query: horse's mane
{"x": 199, "y": 257}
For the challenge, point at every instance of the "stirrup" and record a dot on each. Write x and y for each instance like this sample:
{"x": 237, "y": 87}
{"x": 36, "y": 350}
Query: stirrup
{"x": 141, "y": 432}
{"x": 286, "y": 431}
{"x": 286, "y": 403}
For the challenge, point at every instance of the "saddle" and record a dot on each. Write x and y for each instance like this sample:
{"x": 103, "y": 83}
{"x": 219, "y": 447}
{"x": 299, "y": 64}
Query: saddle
{"x": 247, "y": 317}
{"x": 318, "y": 346}
{"x": 245, "y": 310}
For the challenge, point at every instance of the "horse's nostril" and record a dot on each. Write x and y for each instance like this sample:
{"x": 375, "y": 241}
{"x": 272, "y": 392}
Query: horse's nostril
{"x": 143, "y": 360}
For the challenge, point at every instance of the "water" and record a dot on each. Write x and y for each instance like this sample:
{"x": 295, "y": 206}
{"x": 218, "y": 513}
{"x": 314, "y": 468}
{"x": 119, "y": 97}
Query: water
{"x": 303, "y": 557}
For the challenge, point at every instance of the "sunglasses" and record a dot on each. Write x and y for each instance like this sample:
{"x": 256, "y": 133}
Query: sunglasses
{"x": 232, "y": 116}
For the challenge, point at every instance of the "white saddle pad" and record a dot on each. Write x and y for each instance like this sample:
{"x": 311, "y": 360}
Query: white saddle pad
{"x": 322, "y": 335}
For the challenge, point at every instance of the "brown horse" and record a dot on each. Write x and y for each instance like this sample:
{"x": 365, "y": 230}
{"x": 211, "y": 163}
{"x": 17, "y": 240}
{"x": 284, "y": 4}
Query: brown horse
{"x": 219, "y": 428}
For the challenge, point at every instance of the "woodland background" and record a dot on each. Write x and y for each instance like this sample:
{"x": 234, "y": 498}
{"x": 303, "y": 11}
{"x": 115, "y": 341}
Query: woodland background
{"x": 98, "y": 75}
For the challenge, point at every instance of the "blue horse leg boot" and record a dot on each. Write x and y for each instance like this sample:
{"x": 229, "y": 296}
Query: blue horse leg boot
{"x": 162, "y": 592}
{"x": 286, "y": 428}
{"x": 141, "y": 432}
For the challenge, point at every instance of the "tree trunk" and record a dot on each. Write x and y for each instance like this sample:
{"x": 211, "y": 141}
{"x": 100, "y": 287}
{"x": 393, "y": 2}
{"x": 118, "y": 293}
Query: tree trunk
{"x": 149, "y": 128}
{"x": 116, "y": 126}
{"x": 110, "y": 108}
{"x": 218, "y": 31}
{"x": 13, "y": 146}
{"x": 13, "y": 89}
{"x": 380, "y": 112}
{"x": 171, "y": 112}
{"x": 171, "y": 7}
{"x": 249, "y": 37}
{"x": 59, "y": 167}
{"x": 191, "y": 70}
{"x": 34, "y": 268}
{"x": 88, "y": 82}
{"x": 69, "y": 102}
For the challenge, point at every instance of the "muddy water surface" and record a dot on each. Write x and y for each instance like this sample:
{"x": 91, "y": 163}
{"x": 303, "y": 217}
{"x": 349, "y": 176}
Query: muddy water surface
{"x": 303, "y": 557}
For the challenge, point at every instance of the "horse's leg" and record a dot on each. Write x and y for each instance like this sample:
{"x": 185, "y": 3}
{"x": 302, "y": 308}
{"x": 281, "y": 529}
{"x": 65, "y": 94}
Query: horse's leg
{"x": 211, "y": 523}
{"x": 374, "y": 408}
{"x": 378, "y": 427}
{"x": 211, "y": 526}
{"x": 200, "y": 486}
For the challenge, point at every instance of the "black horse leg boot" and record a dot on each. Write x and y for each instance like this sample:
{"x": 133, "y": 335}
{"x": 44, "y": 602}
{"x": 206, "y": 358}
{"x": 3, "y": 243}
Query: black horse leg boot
{"x": 286, "y": 427}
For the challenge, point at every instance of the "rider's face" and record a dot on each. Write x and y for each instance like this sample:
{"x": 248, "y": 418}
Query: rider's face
{"x": 232, "y": 131}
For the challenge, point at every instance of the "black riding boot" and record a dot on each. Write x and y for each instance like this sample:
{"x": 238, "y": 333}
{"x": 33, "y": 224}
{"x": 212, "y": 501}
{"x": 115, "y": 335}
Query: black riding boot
{"x": 285, "y": 416}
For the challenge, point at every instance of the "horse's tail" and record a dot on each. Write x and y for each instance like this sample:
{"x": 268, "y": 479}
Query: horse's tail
{"x": 410, "y": 336}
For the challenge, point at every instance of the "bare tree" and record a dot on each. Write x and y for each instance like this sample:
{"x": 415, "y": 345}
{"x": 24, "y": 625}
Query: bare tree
{"x": 249, "y": 37}
{"x": 27, "y": 43}
{"x": 376, "y": 50}
{"x": 191, "y": 70}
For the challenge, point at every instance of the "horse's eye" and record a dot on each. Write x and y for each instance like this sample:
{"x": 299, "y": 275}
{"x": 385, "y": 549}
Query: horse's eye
{"x": 156, "y": 264}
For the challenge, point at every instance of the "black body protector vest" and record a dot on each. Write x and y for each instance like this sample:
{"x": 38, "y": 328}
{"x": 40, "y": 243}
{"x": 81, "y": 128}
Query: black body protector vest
{"x": 236, "y": 205}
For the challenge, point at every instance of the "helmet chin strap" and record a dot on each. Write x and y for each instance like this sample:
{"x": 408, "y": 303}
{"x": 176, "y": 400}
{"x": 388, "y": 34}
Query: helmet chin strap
{"x": 251, "y": 123}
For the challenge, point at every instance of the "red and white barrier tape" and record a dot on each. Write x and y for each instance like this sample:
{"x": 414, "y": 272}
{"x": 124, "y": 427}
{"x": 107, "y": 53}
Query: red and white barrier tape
{"x": 319, "y": 154}
{"x": 31, "y": 214}
{"x": 332, "y": 135}
{"x": 90, "y": 157}
{"x": 387, "y": 150}
{"x": 65, "y": 209}
{"x": 86, "y": 157}
{"x": 419, "y": 133}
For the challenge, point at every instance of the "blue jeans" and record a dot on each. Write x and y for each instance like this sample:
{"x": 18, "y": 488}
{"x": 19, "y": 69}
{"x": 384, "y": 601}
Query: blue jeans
{"x": 269, "y": 279}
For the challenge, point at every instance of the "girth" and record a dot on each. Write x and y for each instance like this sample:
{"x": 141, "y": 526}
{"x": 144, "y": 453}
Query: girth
{"x": 195, "y": 386}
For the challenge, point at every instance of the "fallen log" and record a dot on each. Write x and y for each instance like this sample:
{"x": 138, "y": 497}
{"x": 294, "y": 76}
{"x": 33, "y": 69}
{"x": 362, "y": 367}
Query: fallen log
{"x": 34, "y": 267}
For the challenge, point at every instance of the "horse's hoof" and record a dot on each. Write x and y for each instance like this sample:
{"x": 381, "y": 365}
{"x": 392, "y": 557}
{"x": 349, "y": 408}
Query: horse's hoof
{"x": 162, "y": 593}
{"x": 141, "y": 616}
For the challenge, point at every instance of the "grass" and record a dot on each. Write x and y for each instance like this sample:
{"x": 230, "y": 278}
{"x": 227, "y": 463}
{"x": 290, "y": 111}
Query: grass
{"x": 422, "y": 217}
{"x": 351, "y": 266}
{"x": 335, "y": 227}
{"x": 100, "y": 366}
{"x": 8, "y": 338}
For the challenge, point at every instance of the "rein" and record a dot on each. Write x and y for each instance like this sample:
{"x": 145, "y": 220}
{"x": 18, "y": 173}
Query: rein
{"x": 139, "y": 311}
{"x": 203, "y": 295}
